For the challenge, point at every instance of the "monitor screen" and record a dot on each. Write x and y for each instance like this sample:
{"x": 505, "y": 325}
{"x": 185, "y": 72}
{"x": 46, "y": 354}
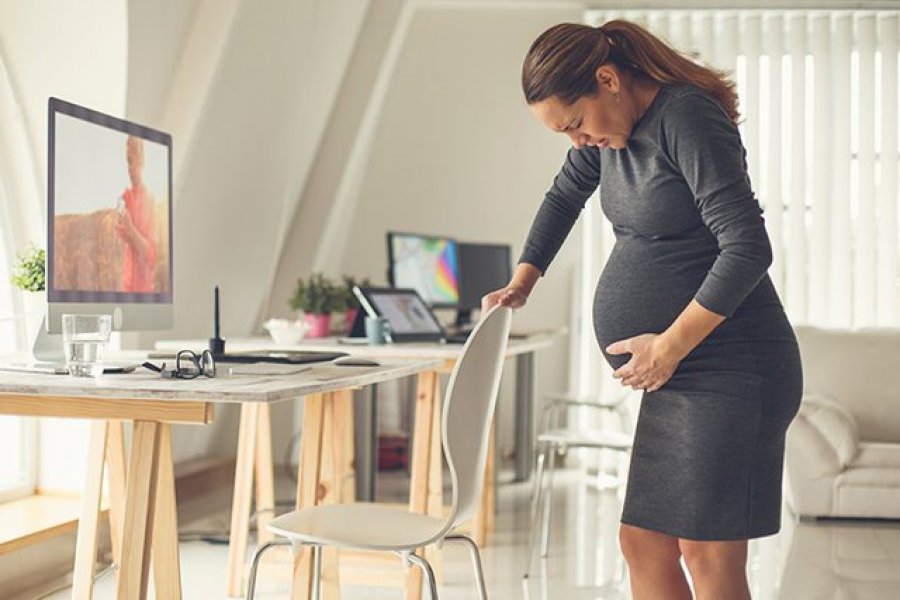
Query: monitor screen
{"x": 427, "y": 264}
{"x": 109, "y": 207}
{"x": 483, "y": 268}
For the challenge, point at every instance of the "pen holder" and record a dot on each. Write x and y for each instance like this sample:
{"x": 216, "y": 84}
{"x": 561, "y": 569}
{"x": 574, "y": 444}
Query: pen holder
{"x": 217, "y": 346}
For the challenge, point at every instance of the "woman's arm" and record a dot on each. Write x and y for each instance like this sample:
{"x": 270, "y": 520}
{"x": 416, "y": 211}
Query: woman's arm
{"x": 576, "y": 181}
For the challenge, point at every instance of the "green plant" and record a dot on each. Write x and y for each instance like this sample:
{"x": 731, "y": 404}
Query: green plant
{"x": 348, "y": 298}
{"x": 29, "y": 271}
{"x": 316, "y": 295}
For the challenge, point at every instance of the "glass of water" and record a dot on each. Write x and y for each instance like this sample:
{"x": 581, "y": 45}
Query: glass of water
{"x": 85, "y": 338}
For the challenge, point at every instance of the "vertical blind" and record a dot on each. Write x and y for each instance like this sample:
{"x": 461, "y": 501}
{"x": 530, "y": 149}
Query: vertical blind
{"x": 818, "y": 100}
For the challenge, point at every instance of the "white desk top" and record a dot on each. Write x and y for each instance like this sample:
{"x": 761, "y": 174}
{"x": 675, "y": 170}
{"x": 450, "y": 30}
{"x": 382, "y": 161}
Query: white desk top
{"x": 424, "y": 350}
{"x": 145, "y": 384}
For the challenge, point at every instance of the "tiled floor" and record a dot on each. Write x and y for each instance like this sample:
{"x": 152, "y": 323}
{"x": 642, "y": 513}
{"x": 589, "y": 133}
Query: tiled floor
{"x": 806, "y": 561}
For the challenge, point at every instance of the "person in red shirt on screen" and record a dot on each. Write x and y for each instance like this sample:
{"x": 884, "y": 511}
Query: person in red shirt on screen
{"x": 136, "y": 225}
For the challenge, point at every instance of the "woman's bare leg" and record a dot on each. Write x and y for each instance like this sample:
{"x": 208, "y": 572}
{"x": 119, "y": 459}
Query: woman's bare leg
{"x": 653, "y": 564}
{"x": 718, "y": 569}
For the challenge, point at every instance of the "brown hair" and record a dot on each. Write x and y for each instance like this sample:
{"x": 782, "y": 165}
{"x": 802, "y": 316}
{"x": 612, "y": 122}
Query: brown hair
{"x": 563, "y": 60}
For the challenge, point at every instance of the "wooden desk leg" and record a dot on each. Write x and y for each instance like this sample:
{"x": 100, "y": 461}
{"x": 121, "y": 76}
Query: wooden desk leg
{"x": 243, "y": 490}
{"x": 344, "y": 461}
{"x": 115, "y": 479}
{"x": 166, "y": 560}
{"x": 425, "y": 411}
{"x": 140, "y": 500}
{"x": 308, "y": 483}
{"x": 484, "y": 519}
{"x": 86, "y": 542}
{"x": 330, "y": 473}
{"x": 265, "y": 484}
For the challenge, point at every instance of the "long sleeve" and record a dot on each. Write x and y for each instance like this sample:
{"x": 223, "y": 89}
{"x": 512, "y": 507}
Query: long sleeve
{"x": 705, "y": 145}
{"x": 576, "y": 181}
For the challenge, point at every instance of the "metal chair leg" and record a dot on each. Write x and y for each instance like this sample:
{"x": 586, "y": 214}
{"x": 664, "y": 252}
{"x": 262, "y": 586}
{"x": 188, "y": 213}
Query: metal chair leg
{"x": 254, "y": 565}
{"x": 476, "y": 562}
{"x": 548, "y": 504}
{"x": 427, "y": 570}
{"x": 317, "y": 572}
{"x": 538, "y": 478}
{"x": 536, "y": 497}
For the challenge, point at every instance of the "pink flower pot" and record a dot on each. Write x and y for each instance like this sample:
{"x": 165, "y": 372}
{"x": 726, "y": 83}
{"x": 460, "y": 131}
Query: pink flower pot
{"x": 349, "y": 317}
{"x": 319, "y": 325}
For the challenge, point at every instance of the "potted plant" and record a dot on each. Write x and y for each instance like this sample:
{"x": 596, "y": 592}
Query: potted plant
{"x": 316, "y": 297}
{"x": 349, "y": 300}
{"x": 30, "y": 270}
{"x": 29, "y": 275}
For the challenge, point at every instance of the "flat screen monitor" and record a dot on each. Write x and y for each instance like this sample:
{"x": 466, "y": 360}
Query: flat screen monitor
{"x": 428, "y": 264}
{"x": 483, "y": 268}
{"x": 109, "y": 219}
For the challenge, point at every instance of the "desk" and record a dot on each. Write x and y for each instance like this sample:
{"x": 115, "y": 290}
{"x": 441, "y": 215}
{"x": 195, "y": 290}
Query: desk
{"x": 522, "y": 349}
{"x": 142, "y": 501}
{"x": 426, "y": 494}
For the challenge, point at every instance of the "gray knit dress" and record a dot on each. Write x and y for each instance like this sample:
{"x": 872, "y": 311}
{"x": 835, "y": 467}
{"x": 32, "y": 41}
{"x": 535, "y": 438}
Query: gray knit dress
{"x": 709, "y": 444}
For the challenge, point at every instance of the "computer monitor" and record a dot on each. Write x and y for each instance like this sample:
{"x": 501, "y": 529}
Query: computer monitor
{"x": 426, "y": 263}
{"x": 109, "y": 219}
{"x": 483, "y": 268}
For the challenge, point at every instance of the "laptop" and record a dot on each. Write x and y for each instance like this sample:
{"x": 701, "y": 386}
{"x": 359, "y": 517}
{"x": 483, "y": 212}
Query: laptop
{"x": 410, "y": 318}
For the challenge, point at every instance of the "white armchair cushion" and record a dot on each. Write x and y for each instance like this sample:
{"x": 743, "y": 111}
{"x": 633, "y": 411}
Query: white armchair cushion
{"x": 878, "y": 454}
{"x": 834, "y": 423}
{"x": 868, "y": 492}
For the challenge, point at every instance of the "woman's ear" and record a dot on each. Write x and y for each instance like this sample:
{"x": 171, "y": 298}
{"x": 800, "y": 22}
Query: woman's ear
{"x": 608, "y": 78}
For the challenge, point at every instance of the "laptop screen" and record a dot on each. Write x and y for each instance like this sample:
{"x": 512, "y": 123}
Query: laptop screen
{"x": 406, "y": 312}
{"x": 410, "y": 318}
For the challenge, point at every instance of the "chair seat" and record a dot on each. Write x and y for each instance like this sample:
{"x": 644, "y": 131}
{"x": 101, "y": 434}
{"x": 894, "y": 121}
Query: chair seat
{"x": 362, "y": 525}
{"x": 573, "y": 438}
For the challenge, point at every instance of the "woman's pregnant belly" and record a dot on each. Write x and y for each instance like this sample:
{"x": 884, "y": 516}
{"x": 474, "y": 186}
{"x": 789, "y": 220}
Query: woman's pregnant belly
{"x": 645, "y": 285}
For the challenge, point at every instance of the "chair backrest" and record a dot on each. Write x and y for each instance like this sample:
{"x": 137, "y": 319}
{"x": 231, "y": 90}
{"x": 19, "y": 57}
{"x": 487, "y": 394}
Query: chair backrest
{"x": 469, "y": 410}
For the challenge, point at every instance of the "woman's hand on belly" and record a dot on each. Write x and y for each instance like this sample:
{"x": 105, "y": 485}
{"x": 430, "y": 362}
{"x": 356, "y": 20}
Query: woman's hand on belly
{"x": 652, "y": 363}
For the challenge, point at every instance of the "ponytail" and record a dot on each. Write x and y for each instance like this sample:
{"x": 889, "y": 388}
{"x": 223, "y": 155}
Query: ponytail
{"x": 563, "y": 61}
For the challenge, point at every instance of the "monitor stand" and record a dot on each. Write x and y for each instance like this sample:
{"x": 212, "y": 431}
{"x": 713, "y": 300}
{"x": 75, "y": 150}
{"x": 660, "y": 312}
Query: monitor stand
{"x": 463, "y": 319}
{"x": 48, "y": 347}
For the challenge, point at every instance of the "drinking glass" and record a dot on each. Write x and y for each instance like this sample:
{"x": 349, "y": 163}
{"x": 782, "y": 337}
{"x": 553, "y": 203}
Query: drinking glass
{"x": 85, "y": 338}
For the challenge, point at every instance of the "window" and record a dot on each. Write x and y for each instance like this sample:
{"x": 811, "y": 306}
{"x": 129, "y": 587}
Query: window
{"x": 17, "y": 434}
{"x": 818, "y": 94}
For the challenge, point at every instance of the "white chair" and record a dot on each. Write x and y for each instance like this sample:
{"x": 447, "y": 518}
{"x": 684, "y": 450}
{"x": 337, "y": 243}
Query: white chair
{"x": 467, "y": 415}
{"x": 554, "y": 439}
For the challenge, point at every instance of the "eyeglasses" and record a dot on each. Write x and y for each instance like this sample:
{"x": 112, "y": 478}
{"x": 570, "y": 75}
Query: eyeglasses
{"x": 188, "y": 365}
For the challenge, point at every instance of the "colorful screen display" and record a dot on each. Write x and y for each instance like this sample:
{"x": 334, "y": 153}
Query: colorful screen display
{"x": 427, "y": 264}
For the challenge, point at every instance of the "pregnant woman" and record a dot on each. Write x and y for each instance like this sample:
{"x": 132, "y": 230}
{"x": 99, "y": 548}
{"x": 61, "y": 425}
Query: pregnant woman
{"x": 684, "y": 309}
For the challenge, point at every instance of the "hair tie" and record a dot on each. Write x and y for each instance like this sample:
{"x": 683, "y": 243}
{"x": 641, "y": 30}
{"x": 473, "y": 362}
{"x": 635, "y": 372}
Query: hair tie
{"x": 606, "y": 34}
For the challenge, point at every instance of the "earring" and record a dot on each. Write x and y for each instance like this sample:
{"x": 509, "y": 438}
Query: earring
{"x": 617, "y": 97}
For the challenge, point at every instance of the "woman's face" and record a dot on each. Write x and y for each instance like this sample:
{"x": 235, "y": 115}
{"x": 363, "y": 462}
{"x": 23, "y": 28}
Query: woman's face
{"x": 603, "y": 120}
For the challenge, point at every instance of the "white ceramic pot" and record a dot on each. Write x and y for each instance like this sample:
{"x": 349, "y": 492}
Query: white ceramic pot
{"x": 286, "y": 332}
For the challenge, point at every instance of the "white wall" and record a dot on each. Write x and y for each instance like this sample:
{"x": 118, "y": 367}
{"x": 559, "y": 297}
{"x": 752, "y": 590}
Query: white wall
{"x": 256, "y": 96}
{"x": 444, "y": 143}
{"x": 457, "y": 152}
